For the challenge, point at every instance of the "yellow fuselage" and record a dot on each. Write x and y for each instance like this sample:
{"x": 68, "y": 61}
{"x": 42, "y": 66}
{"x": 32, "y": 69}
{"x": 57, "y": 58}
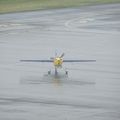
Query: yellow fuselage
{"x": 58, "y": 62}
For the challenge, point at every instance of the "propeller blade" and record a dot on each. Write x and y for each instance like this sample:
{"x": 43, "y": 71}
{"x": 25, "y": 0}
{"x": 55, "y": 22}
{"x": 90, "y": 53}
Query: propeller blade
{"x": 55, "y": 53}
{"x": 62, "y": 55}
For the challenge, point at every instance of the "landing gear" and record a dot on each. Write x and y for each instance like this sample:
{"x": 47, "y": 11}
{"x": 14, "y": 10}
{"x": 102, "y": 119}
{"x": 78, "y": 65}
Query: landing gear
{"x": 49, "y": 72}
{"x": 66, "y": 72}
{"x": 56, "y": 72}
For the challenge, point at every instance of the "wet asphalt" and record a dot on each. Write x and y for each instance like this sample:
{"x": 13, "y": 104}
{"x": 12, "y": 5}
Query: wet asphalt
{"x": 91, "y": 91}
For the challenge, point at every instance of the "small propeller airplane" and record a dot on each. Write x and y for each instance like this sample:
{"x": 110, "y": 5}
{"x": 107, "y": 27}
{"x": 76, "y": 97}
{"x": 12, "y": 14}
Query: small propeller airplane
{"x": 57, "y": 62}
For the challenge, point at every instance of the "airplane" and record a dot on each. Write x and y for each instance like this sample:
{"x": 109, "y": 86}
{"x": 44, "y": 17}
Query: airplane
{"x": 57, "y": 62}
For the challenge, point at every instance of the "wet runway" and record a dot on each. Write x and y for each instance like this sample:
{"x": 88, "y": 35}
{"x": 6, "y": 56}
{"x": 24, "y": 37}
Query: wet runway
{"x": 91, "y": 91}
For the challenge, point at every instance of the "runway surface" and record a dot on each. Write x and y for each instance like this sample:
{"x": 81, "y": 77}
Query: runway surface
{"x": 90, "y": 92}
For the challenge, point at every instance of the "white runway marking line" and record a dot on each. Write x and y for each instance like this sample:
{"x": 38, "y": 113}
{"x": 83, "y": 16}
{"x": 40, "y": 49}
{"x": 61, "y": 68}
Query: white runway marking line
{"x": 5, "y": 25}
{"x": 14, "y": 26}
{"x": 85, "y": 20}
{"x": 78, "y": 20}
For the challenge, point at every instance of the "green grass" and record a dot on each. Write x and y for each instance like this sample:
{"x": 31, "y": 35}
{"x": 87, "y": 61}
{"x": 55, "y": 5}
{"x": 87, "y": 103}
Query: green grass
{"x": 26, "y": 5}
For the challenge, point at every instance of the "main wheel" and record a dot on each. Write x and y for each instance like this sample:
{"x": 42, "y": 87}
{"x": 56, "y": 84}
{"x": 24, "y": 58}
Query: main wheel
{"x": 49, "y": 72}
{"x": 66, "y": 72}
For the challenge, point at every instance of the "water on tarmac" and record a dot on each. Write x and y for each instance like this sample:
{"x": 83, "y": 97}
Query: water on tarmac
{"x": 91, "y": 91}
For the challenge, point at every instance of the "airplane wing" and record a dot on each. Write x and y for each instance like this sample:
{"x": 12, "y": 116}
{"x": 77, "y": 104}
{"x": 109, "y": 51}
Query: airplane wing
{"x": 79, "y": 60}
{"x": 36, "y": 60}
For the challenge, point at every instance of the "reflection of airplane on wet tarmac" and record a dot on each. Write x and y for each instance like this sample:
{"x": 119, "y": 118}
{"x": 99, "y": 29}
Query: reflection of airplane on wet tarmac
{"x": 58, "y": 61}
